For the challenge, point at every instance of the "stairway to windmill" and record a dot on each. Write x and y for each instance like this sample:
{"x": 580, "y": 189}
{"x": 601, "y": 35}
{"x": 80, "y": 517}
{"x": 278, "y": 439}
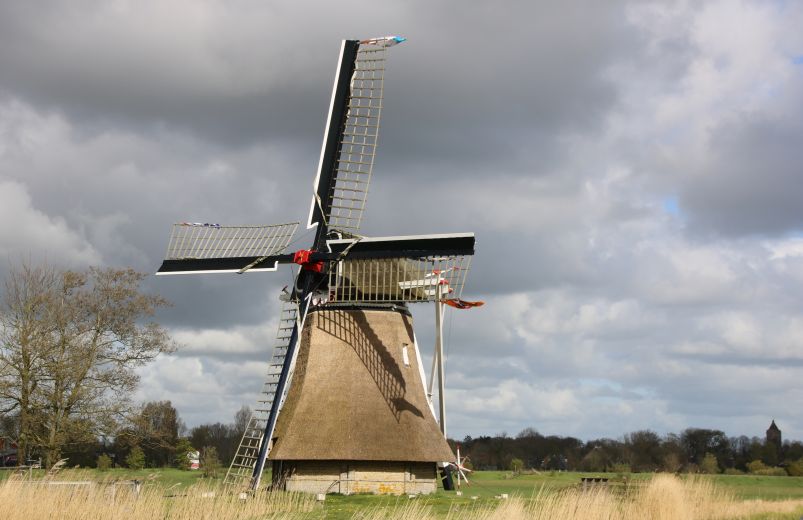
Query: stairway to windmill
{"x": 345, "y": 406}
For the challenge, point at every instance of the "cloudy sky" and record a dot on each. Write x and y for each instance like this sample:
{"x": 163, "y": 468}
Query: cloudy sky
{"x": 632, "y": 172}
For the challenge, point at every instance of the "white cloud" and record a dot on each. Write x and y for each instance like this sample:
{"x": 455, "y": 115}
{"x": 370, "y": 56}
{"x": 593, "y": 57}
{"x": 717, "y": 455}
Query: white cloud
{"x": 30, "y": 233}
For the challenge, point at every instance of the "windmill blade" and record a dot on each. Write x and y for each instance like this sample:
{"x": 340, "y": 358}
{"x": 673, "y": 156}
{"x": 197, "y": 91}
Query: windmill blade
{"x": 400, "y": 269}
{"x": 412, "y": 246}
{"x": 460, "y": 470}
{"x": 211, "y": 248}
{"x": 350, "y": 138}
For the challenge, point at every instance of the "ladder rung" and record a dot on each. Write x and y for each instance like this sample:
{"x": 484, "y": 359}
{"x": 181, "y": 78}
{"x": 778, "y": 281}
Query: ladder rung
{"x": 244, "y": 458}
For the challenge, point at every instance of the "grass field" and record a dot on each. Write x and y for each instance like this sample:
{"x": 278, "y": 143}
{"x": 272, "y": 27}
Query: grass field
{"x": 176, "y": 491}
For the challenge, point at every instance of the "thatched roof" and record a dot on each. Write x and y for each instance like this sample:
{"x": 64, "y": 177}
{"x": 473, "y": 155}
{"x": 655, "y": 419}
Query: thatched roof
{"x": 353, "y": 397}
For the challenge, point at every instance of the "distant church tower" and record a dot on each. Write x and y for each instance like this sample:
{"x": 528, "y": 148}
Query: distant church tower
{"x": 774, "y": 436}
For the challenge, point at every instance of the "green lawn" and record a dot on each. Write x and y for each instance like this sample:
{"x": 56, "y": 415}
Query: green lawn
{"x": 767, "y": 488}
{"x": 164, "y": 477}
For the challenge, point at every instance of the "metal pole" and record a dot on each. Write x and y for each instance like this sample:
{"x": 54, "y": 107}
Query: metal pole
{"x": 434, "y": 367}
{"x": 439, "y": 355}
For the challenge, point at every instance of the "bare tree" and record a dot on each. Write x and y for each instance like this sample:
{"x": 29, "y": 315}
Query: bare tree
{"x": 24, "y": 340}
{"x": 241, "y": 419}
{"x": 155, "y": 428}
{"x": 71, "y": 342}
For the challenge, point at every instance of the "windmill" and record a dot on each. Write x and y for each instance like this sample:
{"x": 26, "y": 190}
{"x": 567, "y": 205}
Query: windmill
{"x": 357, "y": 416}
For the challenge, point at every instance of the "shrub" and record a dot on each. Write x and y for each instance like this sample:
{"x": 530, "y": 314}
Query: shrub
{"x": 756, "y": 466}
{"x": 619, "y": 467}
{"x": 210, "y": 463}
{"x": 183, "y": 449}
{"x": 104, "y": 462}
{"x": 795, "y": 469}
{"x": 135, "y": 458}
{"x": 709, "y": 464}
{"x": 671, "y": 463}
{"x": 771, "y": 472}
{"x": 516, "y": 465}
{"x": 733, "y": 471}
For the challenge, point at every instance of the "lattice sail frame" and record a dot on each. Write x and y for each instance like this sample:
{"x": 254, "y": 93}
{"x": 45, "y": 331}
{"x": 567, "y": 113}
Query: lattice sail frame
{"x": 200, "y": 241}
{"x": 376, "y": 280}
{"x": 357, "y": 147}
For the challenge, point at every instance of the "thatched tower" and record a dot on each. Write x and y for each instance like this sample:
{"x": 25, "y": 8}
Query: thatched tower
{"x": 356, "y": 418}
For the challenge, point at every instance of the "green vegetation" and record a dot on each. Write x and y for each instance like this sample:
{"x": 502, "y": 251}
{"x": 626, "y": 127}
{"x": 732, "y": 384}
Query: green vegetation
{"x": 136, "y": 458}
{"x": 104, "y": 462}
{"x": 183, "y": 450}
{"x": 762, "y": 487}
{"x": 694, "y": 450}
{"x": 210, "y": 464}
{"x": 709, "y": 464}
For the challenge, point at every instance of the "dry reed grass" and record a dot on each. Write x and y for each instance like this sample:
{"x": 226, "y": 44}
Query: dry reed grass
{"x": 665, "y": 497}
{"x": 22, "y": 499}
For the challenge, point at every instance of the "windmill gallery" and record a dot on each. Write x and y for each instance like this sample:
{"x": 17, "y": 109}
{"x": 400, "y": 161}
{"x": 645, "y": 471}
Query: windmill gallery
{"x": 346, "y": 406}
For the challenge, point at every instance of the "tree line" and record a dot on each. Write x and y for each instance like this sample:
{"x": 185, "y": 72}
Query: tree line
{"x": 153, "y": 436}
{"x": 692, "y": 450}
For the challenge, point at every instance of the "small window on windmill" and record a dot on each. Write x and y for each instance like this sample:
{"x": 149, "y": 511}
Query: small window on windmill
{"x": 405, "y": 355}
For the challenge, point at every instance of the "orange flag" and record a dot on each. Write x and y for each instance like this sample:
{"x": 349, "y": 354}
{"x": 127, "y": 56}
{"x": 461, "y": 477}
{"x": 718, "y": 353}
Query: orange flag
{"x": 457, "y": 303}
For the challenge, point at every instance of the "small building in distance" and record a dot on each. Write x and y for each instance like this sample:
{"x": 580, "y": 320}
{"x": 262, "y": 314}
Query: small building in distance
{"x": 774, "y": 436}
{"x": 8, "y": 452}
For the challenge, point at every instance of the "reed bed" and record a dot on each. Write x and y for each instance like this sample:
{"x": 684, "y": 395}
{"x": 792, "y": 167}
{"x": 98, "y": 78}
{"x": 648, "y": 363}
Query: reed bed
{"x": 22, "y": 499}
{"x": 664, "y": 497}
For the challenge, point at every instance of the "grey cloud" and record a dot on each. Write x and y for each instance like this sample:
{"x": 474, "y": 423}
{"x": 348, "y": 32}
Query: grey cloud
{"x": 750, "y": 184}
{"x": 538, "y": 126}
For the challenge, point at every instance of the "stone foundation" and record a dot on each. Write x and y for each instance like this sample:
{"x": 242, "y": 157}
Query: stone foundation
{"x": 350, "y": 477}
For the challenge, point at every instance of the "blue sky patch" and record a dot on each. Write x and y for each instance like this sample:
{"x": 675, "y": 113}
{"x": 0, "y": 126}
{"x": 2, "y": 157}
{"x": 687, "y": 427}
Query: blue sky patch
{"x": 671, "y": 205}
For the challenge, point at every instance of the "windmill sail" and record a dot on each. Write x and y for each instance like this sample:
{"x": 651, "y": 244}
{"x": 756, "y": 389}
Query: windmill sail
{"x": 349, "y": 144}
{"x": 212, "y": 248}
{"x": 398, "y": 279}
{"x": 421, "y": 268}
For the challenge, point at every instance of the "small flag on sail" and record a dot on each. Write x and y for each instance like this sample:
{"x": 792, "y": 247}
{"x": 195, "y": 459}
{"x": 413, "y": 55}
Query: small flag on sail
{"x": 457, "y": 303}
{"x": 384, "y": 41}
{"x": 200, "y": 224}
